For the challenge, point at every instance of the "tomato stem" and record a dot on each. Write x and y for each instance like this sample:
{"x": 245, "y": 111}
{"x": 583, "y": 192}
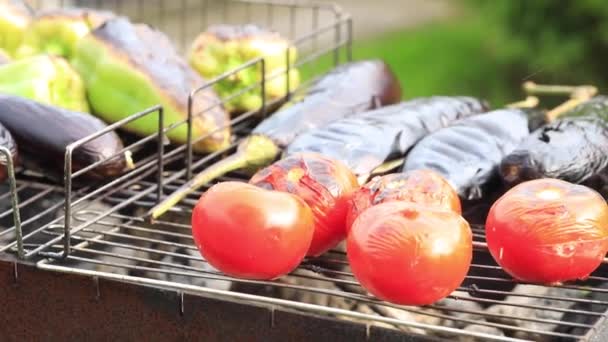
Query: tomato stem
{"x": 255, "y": 151}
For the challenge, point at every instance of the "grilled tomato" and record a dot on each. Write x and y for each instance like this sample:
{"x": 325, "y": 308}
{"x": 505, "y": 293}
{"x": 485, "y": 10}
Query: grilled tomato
{"x": 409, "y": 254}
{"x": 249, "y": 232}
{"x": 424, "y": 187}
{"x": 324, "y": 184}
{"x": 548, "y": 231}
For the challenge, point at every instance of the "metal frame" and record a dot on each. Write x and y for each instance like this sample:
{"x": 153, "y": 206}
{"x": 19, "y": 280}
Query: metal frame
{"x": 76, "y": 241}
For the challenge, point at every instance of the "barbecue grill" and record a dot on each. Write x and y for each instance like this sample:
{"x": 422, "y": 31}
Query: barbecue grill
{"x": 81, "y": 259}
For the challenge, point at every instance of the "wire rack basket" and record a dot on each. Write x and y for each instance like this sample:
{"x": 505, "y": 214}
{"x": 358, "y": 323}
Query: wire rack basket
{"x": 100, "y": 229}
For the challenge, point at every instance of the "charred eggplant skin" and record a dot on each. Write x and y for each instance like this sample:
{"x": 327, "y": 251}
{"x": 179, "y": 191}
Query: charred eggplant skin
{"x": 6, "y": 141}
{"x": 595, "y": 107}
{"x": 43, "y": 132}
{"x": 346, "y": 90}
{"x": 467, "y": 154}
{"x": 365, "y": 141}
{"x": 571, "y": 149}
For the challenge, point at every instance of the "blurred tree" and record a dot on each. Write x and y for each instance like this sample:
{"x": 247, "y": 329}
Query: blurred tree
{"x": 556, "y": 41}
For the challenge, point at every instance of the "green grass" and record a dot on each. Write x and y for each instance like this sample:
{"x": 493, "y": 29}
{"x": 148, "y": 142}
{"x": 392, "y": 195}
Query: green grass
{"x": 456, "y": 57}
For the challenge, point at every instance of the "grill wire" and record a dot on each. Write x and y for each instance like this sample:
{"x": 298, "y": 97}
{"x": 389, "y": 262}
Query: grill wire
{"x": 111, "y": 238}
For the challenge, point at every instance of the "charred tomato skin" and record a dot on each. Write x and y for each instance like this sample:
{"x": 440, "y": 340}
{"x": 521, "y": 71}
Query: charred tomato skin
{"x": 548, "y": 231}
{"x": 409, "y": 254}
{"x": 248, "y": 232}
{"x": 424, "y": 187}
{"x": 324, "y": 184}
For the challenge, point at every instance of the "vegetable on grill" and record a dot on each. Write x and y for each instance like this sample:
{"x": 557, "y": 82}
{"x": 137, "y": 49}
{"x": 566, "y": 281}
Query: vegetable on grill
{"x": 15, "y": 17}
{"x": 128, "y": 68}
{"x": 249, "y": 232}
{"x": 409, "y": 254}
{"x": 467, "y": 154}
{"x": 423, "y": 187}
{"x": 46, "y": 79}
{"x": 548, "y": 231}
{"x": 6, "y": 141}
{"x": 223, "y": 48}
{"x": 43, "y": 132}
{"x": 4, "y": 57}
{"x": 56, "y": 31}
{"x": 595, "y": 107}
{"x": 345, "y": 91}
{"x": 571, "y": 149}
{"x": 323, "y": 184}
{"x": 363, "y": 142}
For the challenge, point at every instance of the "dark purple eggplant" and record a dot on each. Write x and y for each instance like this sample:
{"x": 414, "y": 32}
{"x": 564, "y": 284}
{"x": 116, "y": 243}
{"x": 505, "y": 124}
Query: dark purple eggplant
{"x": 43, "y": 132}
{"x": 467, "y": 154}
{"x": 6, "y": 141}
{"x": 363, "y": 142}
{"x": 345, "y": 91}
{"x": 571, "y": 149}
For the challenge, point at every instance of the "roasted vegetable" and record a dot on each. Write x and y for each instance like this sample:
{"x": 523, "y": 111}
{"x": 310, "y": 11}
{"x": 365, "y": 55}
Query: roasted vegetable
{"x": 56, "y": 31}
{"x": 347, "y": 90}
{"x": 468, "y": 153}
{"x": 595, "y": 107}
{"x": 365, "y": 141}
{"x": 6, "y": 141}
{"x": 249, "y": 232}
{"x": 43, "y": 132}
{"x": 548, "y": 231}
{"x": 45, "y": 79}
{"x": 128, "y": 68}
{"x": 223, "y": 48}
{"x": 571, "y": 149}
{"x": 423, "y": 187}
{"x": 322, "y": 183}
{"x": 4, "y": 57}
{"x": 15, "y": 16}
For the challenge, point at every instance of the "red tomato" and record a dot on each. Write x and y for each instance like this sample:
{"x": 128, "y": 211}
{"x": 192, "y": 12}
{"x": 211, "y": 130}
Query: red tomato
{"x": 324, "y": 184}
{"x": 409, "y": 254}
{"x": 424, "y": 187}
{"x": 548, "y": 231}
{"x": 248, "y": 232}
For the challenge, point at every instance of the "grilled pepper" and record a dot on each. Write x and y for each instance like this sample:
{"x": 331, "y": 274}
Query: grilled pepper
{"x": 45, "y": 79}
{"x": 363, "y": 142}
{"x": 346, "y": 90}
{"x": 43, "y": 132}
{"x": 6, "y": 141}
{"x": 467, "y": 154}
{"x": 571, "y": 149}
{"x": 4, "y": 57}
{"x": 56, "y": 31}
{"x": 15, "y": 16}
{"x": 129, "y": 67}
{"x": 223, "y": 48}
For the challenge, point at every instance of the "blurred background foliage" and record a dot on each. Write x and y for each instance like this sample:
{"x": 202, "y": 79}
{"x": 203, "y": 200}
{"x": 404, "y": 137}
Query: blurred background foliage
{"x": 490, "y": 47}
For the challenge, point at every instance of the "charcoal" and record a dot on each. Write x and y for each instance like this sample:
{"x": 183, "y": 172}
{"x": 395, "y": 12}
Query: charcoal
{"x": 453, "y": 307}
{"x": 479, "y": 328}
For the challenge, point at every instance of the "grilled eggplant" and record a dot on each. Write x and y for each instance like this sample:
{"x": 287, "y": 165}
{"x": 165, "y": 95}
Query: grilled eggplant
{"x": 363, "y": 142}
{"x": 345, "y": 91}
{"x": 46, "y": 79}
{"x": 56, "y": 31}
{"x": 222, "y": 48}
{"x": 467, "y": 154}
{"x": 596, "y": 107}
{"x": 129, "y": 67}
{"x": 43, "y": 132}
{"x": 15, "y": 17}
{"x": 6, "y": 141}
{"x": 571, "y": 149}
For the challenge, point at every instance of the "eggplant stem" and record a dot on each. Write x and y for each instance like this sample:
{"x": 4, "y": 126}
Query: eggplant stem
{"x": 254, "y": 152}
{"x": 575, "y": 100}
{"x": 532, "y": 88}
{"x": 129, "y": 160}
{"x": 529, "y": 102}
